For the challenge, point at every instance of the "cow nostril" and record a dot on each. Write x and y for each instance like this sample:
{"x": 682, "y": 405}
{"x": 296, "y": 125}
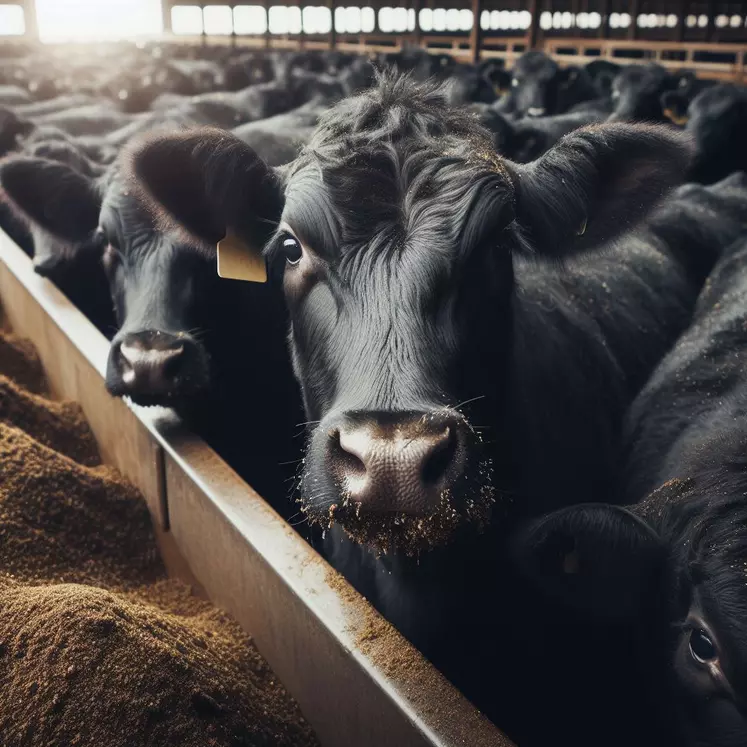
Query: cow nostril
{"x": 172, "y": 364}
{"x": 349, "y": 463}
{"x": 440, "y": 458}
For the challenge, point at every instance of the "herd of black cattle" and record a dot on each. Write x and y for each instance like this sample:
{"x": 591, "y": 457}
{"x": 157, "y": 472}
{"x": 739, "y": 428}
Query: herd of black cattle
{"x": 514, "y": 306}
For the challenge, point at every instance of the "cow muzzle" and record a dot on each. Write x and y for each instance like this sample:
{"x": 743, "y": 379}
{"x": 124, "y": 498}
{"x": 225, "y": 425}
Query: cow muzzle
{"x": 400, "y": 463}
{"x": 397, "y": 480}
{"x": 153, "y": 367}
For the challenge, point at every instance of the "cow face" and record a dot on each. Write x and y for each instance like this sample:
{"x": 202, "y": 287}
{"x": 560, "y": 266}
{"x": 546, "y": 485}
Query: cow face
{"x": 155, "y": 282}
{"x": 395, "y": 232}
{"x": 159, "y": 287}
{"x": 680, "y": 581}
{"x": 534, "y": 77}
{"x": 637, "y": 91}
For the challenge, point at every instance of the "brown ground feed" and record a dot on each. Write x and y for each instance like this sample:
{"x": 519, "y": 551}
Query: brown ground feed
{"x": 97, "y": 646}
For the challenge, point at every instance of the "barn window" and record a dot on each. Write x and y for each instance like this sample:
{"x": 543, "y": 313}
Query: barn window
{"x": 466, "y": 20}
{"x": 368, "y": 19}
{"x": 546, "y": 20}
{"x": 82, "y": 20}
{"x": 525, "y": 19}
{"x": 452, "y": 19}
{"x": 217, "y": 19}
{"x": 399, "y": 20}
{"x": 722, "y": 21}
{"x": 317, "y": 19}
{"x": 702, "y": 21}
{"x": 186, "y": 19}
{"x": 12, "y": 22}
{"x": 567, "y": 20}
{"x": 691, "y": 21}
{"x": 735, "y": 22}
{"x": 386, "y": 21}
{"x": 249, "y": 19}
{"x": 411, "y": 19}
{"x": 425, "y": 19}
{"x": 671, "y": 20}
{"x": 284, "y": 19}
{"x": 439, "y": 19}
{"x": 595, "y": 20}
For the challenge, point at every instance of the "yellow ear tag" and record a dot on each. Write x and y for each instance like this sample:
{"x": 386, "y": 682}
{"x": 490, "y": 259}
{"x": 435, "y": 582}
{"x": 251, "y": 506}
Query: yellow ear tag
{"x": 239, "y": 261}
{"x": 671, "y": 115}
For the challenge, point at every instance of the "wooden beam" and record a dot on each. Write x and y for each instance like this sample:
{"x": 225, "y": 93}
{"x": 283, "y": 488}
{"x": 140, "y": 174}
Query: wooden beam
{"x": 302, "y": 33}
{"x": 29, "y": 19}
{"x": 535, "y": 8}
{"x": 166, "y": 16}
{"x": 681, "y": 18}
{"x": 710, "y": 12}
{"x": 268, "y": 36}
{"x": 633, "y": 10}
{"x": 333, "y": 30}
{"x": 417, "y": 34}
{"x": 475, "y": 37}
{"x": 604, "y": 26}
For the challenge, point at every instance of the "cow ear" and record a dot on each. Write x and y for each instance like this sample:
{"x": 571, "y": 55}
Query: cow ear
{"x": 597, "y": 559}
{"x": 595, "y": 184}
{"x": 52, "y": 196}
{"x": 207, "y": 182}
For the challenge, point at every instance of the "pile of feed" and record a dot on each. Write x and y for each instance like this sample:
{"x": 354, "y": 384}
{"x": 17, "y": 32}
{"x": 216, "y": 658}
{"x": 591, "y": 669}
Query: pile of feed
{"x": 97, "y": 645}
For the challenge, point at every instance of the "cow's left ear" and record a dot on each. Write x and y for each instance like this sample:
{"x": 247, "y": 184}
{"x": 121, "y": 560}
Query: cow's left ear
{"x": 208, "y": 183}
{"x": 597, "y": 559}
{"x": 595, "y": 184}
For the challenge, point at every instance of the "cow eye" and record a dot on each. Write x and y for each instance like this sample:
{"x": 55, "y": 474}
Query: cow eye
{"x": 292, "y": 250}
{"x": 702, "y": 647}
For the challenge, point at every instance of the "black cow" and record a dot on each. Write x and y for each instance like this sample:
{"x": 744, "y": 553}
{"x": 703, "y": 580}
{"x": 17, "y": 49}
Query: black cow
{"x": 674, "y": 564}
{"x": 637, "y": 92}
{"x": 525, "y": 139}
{"x": 278, "y": 139}
{"x": 445, "y": 359}
{"x": 717, "y": 121}
{"x": 541, "y": 87}
{"x": 176, "y": 341}
{"x": 674, "y": 103}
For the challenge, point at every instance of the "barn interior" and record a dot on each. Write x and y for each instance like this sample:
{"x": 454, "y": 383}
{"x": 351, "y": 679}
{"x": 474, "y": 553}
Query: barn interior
{"x": 170, "y": 571}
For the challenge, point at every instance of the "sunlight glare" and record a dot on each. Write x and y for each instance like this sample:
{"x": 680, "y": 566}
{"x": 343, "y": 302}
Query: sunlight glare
{"x": 96, "y": 20}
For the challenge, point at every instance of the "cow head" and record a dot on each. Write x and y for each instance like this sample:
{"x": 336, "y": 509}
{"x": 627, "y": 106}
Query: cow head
{"x": 533, "y": 79}
{"x": 539, "y": 87}
{"x": 157, "y": 283}
{"x": 637, "y": 91}
{"x": 716, "y": 119}
{"x": 395, "y": 232}
{"x": 674, "y": 568}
